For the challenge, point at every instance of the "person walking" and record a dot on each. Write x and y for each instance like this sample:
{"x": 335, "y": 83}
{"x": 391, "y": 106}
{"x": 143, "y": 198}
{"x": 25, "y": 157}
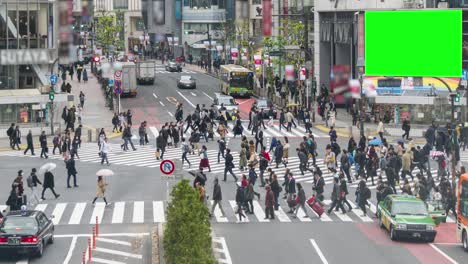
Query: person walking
{"x": 71, "y": 171}
{"x": 276, "y": 188}
{"x": 11, "y": 135}
{"x": 318, "y": 188}
{"x": 364, "y": 195}
{"x": 142, "y": 133}
{"x": 301, "y": 199}
{"x": 85, "y": 75}
{"x": 269, "y": 203}
{"x": 242, "y": 158}
{"x": 104, "y": 151}
{"x": 43, "y": 142}
{"x": 258, "y": 139}
{"x": 344, "y": 192}
{"x": 19, "y": 187}
{"x": 335, "y": 197}
{"x": 221, "y": 149}
{"x": 278, "y": 153}
{"x": 406, "y": 127}
{"x": 12, "y": 200}
{"x": 217, "y": 197}
{"x": 17, "y": 138}
{"x": 249, "y": 196}
{"x": 82, "y": 99}
{"x": 380, "y": 129}
{"x": 101, "y": 190}
{"x": 204, "y": 161}
{"x": 161, "y": 145}
{"x": 32, "y": 182}
{"x": 49, "y": 183}
{"x": 285, "y": 152}
{"x": 30, "y": 144}
{"x": 185, "y": 151}
{"x": 240, "y": 202}
{"x": 291, "y": 186}
{"x": 229, "y": 165}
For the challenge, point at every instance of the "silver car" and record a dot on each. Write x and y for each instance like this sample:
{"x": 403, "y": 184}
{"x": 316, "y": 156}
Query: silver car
{"x": 173, "y": 66}
{"x": 186, "y": 82}
{"x": 227, "y": 102}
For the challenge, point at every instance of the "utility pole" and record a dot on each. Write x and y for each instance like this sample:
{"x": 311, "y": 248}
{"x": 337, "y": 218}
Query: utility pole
{"x": 209, "y": 47}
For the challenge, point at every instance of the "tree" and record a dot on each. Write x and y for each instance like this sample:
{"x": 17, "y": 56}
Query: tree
{"x": 187, "y": 237}
{"x": 108, "y": 30}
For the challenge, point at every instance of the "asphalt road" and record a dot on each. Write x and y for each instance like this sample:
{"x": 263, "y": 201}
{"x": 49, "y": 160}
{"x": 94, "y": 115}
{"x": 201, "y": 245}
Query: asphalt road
{"x": 138, "y": 193}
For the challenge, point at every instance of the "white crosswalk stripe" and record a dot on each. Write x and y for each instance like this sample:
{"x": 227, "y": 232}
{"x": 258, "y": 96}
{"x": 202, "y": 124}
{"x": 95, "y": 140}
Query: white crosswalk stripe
{"x": 137, "y": 212}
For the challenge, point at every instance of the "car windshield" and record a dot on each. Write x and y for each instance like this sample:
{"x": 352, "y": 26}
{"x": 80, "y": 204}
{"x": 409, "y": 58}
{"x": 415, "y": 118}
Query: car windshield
{"x": 185, "y": 78}
{"x": 409, "y": 208}
{"x": 226, "y": 101}
{"x": 19, "y": 225}
{"x": 262, "y": 104}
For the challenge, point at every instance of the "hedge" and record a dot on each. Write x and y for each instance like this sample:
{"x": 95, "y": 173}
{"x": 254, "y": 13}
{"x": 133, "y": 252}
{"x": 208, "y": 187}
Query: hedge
{"x": 187, "y": 236}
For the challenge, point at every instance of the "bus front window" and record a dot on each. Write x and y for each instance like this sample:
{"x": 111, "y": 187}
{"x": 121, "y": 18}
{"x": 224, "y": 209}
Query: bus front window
{"x": 239, "y": 81}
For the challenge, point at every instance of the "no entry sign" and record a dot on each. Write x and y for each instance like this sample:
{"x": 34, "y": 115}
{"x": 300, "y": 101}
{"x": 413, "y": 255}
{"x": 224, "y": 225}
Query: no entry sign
{"x": 118, "y": 75}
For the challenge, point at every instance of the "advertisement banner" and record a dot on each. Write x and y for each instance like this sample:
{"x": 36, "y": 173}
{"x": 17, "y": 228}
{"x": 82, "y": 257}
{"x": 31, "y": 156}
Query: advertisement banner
{"x": 369, "y": 88}
{"x": 159, "y": 12}
{"x": 361, "y": 37}
{"x": 244, "y": 54}
{"x": 219, "y": 48}
{"x": 258, "y": 59}
{"x": 303, "y": 74}
{"x": 234, "y": 53}
{"x": 289, "y": 72}
{"x": 267, "y": 17}
{"x": 355, "y": 88}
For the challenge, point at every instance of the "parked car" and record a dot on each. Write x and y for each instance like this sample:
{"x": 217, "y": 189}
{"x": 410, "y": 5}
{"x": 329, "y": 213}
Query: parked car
{"x": 173, "y": 66}
{"x": 27, "y": 231}
{"x": 186, "y": 81}
{"x": 406, "y": 216}
{"x": 267, "y": 107}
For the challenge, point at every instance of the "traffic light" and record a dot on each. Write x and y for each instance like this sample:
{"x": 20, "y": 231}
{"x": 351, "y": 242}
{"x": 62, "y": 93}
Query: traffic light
{"x": 96, "y": 59}
{"x": 456, "y": 98}
{"x": 51, "y": 95}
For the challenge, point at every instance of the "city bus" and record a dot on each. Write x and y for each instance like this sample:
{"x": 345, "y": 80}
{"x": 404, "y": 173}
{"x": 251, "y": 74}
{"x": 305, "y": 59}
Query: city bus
{"x": 462, "y": 211}
{"x": 236, "y": 80}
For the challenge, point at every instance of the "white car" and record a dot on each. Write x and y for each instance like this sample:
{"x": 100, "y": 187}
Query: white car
{"x": 227, "y": 102}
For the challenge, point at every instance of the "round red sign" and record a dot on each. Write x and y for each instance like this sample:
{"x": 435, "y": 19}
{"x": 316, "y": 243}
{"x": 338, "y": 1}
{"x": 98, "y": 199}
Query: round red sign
{"x": 167, "y": 167}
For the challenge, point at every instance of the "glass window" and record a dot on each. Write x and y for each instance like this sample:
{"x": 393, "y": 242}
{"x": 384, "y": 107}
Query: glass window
{"x": 121, "y": 4}
{"x": 257, "y": 2}
{"x": 187, "y": 2}
{"x": 222, "y": 4}
{"x": 140, "y": 24}
{"x": 3, "y": 28}
{"x": 409, "y": 208}
{"x": 19, "y": 225}
{"x": 12, "y": 38}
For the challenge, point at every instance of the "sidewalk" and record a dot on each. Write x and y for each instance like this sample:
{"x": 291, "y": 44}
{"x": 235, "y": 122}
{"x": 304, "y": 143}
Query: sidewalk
{"x": 343, "y": 126}
{"x": 95, "y": 114}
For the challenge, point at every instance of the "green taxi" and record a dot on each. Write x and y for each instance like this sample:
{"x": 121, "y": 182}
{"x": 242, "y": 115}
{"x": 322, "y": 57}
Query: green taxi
{"x": 406, "y": 217}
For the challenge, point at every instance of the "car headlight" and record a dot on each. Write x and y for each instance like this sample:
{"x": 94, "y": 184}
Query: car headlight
{"x": 401, "y": 226}
{"x": 430, "y": 227}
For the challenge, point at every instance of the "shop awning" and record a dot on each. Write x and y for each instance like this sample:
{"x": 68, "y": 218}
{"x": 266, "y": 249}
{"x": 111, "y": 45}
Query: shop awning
{"x": 417, "y": 97}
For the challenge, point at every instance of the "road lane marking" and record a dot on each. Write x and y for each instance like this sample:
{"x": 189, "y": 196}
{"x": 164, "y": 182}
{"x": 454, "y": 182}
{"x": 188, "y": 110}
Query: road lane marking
{"x": 259, "y": 213}
{"x": 451, "y": 260}
{"x": 324, "y": 217}
{"x": 281, "y": 215}
{"x": 58, "y": 212}
{"x": 77, "y": 214}
{"x": 227, "y": 257}
{"x": 193, "y": 94}
{"x": 343, "y": 217}
{"x": 234, "y": 207}
{"x": 97, "y": 211}
{"x": 219, "y": 217}
{"x": 208, "y": 95}
{"x": 158, "y": 212}
{"x": 170, "y": 114}
{"x": 319, "y": 252}
{"x": 70, "y": 250}
{"x": 172, "y": 100}
{"x": 187, "y": 100}
{"x": 155, "y": 132}
{"x": 118, "y": 252}
{"x": 138, "y": 212}
{"x": 113, "y": 241}
{"x": 23, "y": 261}
{"x": 363, "y": 218}
{"x": 302, "y": 215}
{"x": 106, "y": 261}
{"x": 160, "y": 102}
{"x": 103, "y": 235}
{"x": 118, "y": 215}
{"x": 155, "y": 96}
{"x": 41, "y": 207}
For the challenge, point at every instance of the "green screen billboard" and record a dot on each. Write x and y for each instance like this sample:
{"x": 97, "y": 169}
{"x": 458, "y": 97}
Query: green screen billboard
{"x": 419, "y": 43}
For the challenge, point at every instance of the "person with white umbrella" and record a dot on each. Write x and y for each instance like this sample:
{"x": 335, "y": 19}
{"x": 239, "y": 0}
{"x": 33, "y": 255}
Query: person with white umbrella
{"x": 101, "y": 190}
{"x": 48, "y": 182}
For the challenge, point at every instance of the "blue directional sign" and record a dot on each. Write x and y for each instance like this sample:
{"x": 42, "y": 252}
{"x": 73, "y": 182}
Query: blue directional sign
{"x": 167, "y": 167}
{"x": 111, "y": 82}
{"x": 53, "y": 79}
{"x": 464, "y": 75}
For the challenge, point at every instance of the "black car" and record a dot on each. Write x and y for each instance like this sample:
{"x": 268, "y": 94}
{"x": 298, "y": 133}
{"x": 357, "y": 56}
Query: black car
{"x": 173, "y": 66}
{"x": 26, "y": 231}
{"x": 187, "y": 82}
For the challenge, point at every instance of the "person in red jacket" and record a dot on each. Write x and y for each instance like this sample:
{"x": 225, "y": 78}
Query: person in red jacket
{"x": 269, "y": 203}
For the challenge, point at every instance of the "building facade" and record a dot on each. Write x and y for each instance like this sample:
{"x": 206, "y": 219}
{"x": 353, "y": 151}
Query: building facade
{"x": 28, "y": 54}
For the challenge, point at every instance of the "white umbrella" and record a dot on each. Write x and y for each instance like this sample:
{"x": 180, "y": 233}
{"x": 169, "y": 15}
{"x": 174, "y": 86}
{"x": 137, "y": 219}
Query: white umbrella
{"x": 104, "y": 172}
{"x": 47, "y": 167}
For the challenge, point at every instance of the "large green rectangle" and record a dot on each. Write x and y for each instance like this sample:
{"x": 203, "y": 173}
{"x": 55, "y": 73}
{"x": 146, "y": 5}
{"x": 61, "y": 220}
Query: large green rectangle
{"x": 419, "y": 43}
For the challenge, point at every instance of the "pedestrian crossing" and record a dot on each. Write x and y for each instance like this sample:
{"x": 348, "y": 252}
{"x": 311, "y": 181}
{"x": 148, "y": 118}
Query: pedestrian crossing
{"x": 150, "y": 212}
{"x": 270, "y": 131}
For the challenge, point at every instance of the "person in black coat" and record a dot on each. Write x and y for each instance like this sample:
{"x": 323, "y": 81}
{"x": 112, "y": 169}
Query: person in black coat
{"x": 228, "y": 165}
{"x": 49, "y": 183}
{"x": 13, "y": 201}
{"x": 43, "y": 141}
{"x": 29, "y": 141}
{"x": 71, "y": 171}
{"x": 217, "y": 197}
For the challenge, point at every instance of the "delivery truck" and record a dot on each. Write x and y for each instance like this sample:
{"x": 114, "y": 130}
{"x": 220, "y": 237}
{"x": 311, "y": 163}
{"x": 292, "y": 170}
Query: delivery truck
{"x": 145, "y": 72}
{"x": 128, "y": 82}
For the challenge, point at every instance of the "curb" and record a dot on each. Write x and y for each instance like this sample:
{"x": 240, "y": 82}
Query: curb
{"x": 326, "y": 130}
